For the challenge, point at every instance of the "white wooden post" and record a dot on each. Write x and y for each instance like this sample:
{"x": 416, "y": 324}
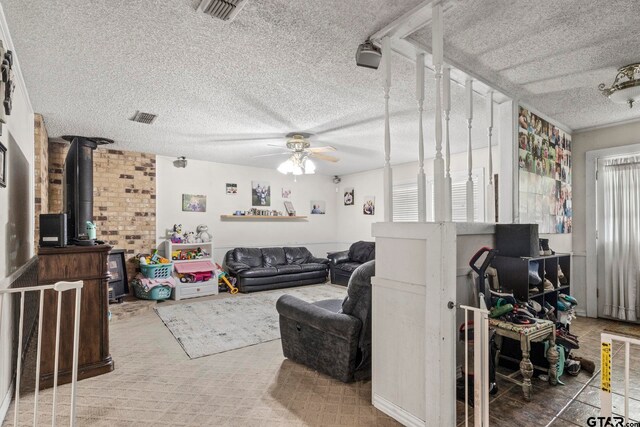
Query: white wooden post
{"x": 469, "y": 90}
{"x": 447, "y": 176}
{"x": 422, "y": 180}
{"x": 491, "y": 199}
{"x": 438, "y": 162}
{"x": 388, "y": 178}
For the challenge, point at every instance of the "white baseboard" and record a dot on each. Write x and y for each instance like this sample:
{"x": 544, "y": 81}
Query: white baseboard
{"x": 396, "y": 412}
{"x": 6, "y": 401}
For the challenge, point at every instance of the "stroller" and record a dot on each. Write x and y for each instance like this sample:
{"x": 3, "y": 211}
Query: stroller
{"x": 483, "y": 295}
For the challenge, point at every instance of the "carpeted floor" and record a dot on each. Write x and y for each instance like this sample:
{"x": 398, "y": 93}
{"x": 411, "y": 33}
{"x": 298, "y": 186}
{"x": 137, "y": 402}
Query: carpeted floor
{"x": 156, "y": 384}
{"x": 216, "y": 325}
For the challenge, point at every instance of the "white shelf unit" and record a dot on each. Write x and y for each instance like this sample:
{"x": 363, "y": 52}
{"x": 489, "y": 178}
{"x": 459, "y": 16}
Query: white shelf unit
{"x": 191, "y": 290}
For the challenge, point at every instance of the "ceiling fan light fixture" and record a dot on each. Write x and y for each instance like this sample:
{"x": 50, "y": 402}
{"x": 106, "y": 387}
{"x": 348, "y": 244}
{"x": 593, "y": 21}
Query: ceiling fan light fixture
{"x": 309, "y": 167}
{"x": 626, "y": 85}
{"x": 286, "y": 167}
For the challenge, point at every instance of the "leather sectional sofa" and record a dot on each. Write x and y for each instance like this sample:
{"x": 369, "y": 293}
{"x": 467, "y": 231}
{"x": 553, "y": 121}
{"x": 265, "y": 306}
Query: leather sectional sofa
{"x": 344, "y": 263}
{"x": 261, "y": 269}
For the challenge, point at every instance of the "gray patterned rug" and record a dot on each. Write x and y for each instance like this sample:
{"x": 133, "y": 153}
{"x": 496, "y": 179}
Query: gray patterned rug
{"x": 208, "y": 327}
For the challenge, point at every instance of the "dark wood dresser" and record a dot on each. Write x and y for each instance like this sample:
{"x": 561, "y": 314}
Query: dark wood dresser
{"x": 89, "y": 264}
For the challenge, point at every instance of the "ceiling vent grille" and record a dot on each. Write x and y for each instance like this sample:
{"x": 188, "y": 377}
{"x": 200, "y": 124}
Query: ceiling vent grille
{"x": 146, "y": 118}
{"x": 222, "y": 9}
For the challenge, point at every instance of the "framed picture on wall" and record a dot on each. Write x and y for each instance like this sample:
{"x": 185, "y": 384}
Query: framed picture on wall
{"x": 3, "y": 165}
{"x": 194, "y": 203}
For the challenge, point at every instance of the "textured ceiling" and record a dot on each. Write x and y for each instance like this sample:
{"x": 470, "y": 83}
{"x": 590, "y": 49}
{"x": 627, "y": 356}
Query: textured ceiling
{"x": 551, "y": 54}
{"x": 281, "y": 66}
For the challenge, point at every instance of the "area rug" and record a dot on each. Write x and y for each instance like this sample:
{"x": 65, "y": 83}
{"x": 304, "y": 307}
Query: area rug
{"x": 208, "y": 327}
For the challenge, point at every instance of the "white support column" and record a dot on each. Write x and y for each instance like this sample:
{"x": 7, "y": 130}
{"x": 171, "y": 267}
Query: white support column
{"x": 469, "y": 104}
{"x": 447, "y": 176}
{"x": 422, "y": 179}
{"x": 388, "y": 178}
{"x": 438, "y": 162}
{"x": 490, "y": 204}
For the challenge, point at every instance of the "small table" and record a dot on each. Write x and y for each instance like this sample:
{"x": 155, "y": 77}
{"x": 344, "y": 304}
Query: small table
{"x": 542, "y": 330}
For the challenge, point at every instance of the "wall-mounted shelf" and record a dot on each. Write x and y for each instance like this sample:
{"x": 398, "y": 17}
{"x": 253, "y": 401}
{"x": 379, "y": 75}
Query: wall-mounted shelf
{"x": 260, "y": 218}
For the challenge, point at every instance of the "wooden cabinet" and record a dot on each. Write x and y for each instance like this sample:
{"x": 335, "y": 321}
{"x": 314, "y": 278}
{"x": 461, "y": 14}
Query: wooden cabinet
{"x": 89, "y": 264}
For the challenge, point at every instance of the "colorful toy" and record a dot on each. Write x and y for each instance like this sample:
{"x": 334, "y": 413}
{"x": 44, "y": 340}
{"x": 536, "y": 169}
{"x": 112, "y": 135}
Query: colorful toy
{"x": 154, "y": 259}
{"x": 176, "y": 236}
{"x": 224, "y": 278}
{"x": 203, "y": 233}
{"x": 201, "y": 276}
{"x": 176, "y": 254}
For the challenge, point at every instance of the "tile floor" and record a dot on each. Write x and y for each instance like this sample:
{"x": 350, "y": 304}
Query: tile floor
{"x": 156, "y": 384}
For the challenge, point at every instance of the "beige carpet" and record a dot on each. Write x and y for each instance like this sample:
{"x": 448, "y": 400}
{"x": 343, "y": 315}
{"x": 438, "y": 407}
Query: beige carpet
{"x": 156, "y": 384}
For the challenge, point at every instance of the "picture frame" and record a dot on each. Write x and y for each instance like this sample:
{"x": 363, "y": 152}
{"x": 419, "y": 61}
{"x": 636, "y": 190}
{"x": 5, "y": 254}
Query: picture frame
{"x": 3, "y": 166}
{"x": 194, "y": 203}
{"x": 289, "y": 208}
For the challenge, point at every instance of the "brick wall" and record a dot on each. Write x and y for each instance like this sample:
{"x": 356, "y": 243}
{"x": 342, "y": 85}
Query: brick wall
{"x": 41, "y": 167}
{"x": 124, "y": 197}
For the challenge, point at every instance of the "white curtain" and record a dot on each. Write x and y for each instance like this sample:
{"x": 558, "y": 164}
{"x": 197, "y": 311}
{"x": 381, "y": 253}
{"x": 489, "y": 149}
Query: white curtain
{"x": 621, "y": 179}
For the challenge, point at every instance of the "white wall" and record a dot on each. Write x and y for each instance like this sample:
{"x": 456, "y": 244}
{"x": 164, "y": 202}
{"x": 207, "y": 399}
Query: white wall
{"x": 16, "y": 209}
{"x": 353, "y": 225}
{"x": 317, "y": 233}
{"x": 583, "y": 142}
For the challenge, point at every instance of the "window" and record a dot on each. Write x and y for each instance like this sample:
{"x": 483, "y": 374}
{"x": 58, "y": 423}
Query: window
{"x": 405, "y": 198}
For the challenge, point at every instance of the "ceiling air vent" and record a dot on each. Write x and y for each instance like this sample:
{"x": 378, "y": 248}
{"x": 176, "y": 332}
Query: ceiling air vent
{"x": 222, "y": 9}
{"x": 146, "y": 118}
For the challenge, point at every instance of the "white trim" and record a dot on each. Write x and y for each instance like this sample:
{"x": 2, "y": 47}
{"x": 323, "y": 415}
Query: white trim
{"x": 591, "y": 272}
{"x": 17, "y": 70}
{"x": 607, "y": 125}
{"x": 396, "y": 412}
{"x": 6, "y": 402}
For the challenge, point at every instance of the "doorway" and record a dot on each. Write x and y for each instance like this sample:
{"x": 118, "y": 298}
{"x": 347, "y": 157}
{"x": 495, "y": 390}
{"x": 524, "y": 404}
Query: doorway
{"x": 618, "y": 236}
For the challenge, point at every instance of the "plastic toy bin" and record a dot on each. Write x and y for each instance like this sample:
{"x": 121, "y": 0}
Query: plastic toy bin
{"x": 156, "y": 271}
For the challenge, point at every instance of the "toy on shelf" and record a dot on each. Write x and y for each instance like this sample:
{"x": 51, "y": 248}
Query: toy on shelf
{"x": 203, "y": 234}
{"x": 188, "y": 254}
{"x": 189, "y": 237}
{"x": 176, "y": 236}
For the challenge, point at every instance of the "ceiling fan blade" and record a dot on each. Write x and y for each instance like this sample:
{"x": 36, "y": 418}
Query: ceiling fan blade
{"x": 324, "y": 149}
{"x": 277, "y": 145}
{"x": 324, "y": 157}
{"x": 272, "y": 154}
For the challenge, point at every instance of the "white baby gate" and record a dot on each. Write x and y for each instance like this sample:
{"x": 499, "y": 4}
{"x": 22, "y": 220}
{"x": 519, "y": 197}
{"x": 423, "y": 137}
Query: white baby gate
{"x": 606, "y": 366}
{"x": 59, "y": 288}
{"x": 480, "y": 366}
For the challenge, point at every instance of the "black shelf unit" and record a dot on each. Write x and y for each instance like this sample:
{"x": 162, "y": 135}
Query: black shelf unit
{"x": 513, "y": 276}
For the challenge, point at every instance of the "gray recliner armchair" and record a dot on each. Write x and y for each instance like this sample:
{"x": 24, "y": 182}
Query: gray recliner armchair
{"x": 331, "y": 336}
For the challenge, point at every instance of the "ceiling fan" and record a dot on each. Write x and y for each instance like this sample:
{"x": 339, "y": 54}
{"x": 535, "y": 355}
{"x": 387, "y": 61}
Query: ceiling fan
{"x": 300, "y": 154}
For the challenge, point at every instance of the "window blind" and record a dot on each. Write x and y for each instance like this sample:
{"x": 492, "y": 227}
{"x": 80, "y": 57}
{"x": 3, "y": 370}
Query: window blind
{"x": 405, "y": 198}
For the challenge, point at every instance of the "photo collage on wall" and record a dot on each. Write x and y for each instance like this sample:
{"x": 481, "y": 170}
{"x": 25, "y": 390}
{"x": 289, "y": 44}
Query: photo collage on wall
{"x": 544, "y": 165}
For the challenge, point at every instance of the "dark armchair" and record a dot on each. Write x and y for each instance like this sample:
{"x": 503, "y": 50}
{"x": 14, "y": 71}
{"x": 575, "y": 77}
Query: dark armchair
{"x": 331, "y": 336}
{"x": 343, "y": 264}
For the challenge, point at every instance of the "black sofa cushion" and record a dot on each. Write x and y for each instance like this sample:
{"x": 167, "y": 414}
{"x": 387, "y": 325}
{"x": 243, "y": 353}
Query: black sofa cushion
{"x": 288, "y": 269}
{"x": 299, "y": 255}
{"x": 273, "y": 257}
{"x": 348, "y": 266}
{"x": 313, "y": 267}
{"x": 249, "y": 256}
{"x": 362, "y": 252}
{"x": 259, "y": 272}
